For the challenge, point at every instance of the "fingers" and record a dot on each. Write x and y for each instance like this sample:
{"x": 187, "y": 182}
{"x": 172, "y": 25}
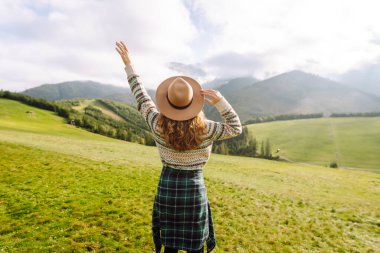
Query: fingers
{"x": 207, "y": 90}
{"x": 123, "y": 51}
{"x": 210, "y": 93}
{"x": 122, "y": 47}
{"x": 213, "y": 96}
{"x": 203, "y": 92}
{"x": 125, "y": 48}
{"x": 208, "y": 100}
{"x": 118, "y": 50}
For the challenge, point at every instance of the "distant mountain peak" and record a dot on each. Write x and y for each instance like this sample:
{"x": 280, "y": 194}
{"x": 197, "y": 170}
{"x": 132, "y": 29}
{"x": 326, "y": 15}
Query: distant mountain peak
{"x": 295, "y": 76}
{"x": 74, "y": 89}
{"x": 295, "y": 91}
{"x": 297, "y": 72}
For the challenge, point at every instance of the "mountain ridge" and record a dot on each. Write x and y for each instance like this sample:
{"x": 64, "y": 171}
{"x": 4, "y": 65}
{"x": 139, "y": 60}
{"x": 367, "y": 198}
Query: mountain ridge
{"x": 293, "y": 92}
{"x": 299, "y": 92}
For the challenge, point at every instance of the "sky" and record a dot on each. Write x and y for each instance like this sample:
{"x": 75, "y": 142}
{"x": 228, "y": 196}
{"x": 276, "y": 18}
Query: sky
{"x": 52, "y": 41}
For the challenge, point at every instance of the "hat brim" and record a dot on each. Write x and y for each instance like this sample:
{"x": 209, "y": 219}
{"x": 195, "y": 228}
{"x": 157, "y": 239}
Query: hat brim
{"x": 179, "y": 114}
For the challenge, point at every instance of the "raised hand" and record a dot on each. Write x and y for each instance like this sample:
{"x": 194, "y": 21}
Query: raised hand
{"x": 214, "y": 96}
{"x": 121, "y": 48}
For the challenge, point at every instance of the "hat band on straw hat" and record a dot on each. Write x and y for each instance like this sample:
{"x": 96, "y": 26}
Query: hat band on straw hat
{"x": 179, "y": 107}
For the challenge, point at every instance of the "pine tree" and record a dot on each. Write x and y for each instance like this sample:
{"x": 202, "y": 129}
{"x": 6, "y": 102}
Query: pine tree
{"x": 252, "y": 146}
{"x": 268, "y": 153}
{"x": 223, "y": 149}
{"x": 262, "y": 152}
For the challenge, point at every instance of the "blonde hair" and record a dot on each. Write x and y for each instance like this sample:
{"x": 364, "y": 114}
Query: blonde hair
{"x": 182, "y": 135}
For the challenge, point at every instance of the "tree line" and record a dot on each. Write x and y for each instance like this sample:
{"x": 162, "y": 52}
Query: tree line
{"x": 269, "y": 118}
{"x": 134, "y": 128}
{"x": 355, "y": 114}
{"x": 92, "y": 119}
{"x": 245, "y": 145}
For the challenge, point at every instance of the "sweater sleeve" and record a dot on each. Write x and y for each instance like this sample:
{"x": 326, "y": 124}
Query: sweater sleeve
{"x": 230, "y": 128}
{"x": 145, "y": 104}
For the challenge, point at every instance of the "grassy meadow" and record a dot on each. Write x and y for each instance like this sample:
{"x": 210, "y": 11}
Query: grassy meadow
{"x": 351, "y": 142}
{"x": 63, "y": 189}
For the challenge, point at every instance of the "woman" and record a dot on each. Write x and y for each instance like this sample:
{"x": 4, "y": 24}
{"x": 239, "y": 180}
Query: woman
{"x": 181, "y": 217}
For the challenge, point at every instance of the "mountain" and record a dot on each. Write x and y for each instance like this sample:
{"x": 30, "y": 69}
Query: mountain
{"x": 227, "y": 87}
{"x": 366, "y": 78}
{"x": 127, "y": 97}
{"x": 238, "y": 82}
{"x": 83, "y": 89}
{"x": 215, "y": 83}
{"x": 294, "y": 92}
{"x": 74, "y": 89}
{"x": 299, "y": 92}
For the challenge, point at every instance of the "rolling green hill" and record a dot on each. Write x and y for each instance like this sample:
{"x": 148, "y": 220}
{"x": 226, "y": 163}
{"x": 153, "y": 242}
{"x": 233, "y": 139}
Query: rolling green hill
{"x": 63, "y": 189}
{"x": 116, "y": 110}
{"x": 83, "y": 89}
{"x": 352, "y": 142}
{"x": 109, "y": 118}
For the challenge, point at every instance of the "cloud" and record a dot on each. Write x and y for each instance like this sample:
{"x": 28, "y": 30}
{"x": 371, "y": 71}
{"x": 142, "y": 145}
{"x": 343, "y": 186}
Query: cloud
{"x": 333, "y": 35}
{"x": 53, "y": 41}
{"x": 366, "y": 78}
{"x": 49, "y": 41}
{"x": 376, "y": 39}
{"x": 232, "y": 64}
{"x": 187, "y": 69}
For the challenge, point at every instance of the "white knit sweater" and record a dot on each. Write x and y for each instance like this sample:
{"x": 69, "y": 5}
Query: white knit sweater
{"x": 188, "y": 159}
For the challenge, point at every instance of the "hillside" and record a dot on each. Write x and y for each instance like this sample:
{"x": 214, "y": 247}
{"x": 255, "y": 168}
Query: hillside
{"x": 82, "y": 89}
{"x": 64, "y": 189}
{"x": 74, "y": 89}
{"x": 229, "y": 82}
{"x": 366, "y": 79}
{"x": 301, "y": 93}
{"x": 294, "y": 92}
{"x": 226, "y": 87}
{"x": 351, "y": 142}
{"x": 116, "y": 110}
{"x": 109, "y": 118}
{"x": 128, "y": 97}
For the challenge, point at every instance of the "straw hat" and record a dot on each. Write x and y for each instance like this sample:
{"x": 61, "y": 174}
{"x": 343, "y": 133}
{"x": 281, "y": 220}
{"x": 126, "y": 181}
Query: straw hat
{"x": 179, "y": 98}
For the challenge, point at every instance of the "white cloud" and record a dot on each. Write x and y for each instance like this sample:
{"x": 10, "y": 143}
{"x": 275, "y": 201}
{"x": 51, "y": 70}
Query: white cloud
{"x": 366, "y": 77}
{"x": 320, "y": 36}
{"x": 52, "y": 41}
{"x": 49, "y": 41}
{"x": 194, "y": 70}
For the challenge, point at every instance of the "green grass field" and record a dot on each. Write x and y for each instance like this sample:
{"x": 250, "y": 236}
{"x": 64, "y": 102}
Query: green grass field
{"x": 351, "y": 142}
{"x": 63, "y": 189}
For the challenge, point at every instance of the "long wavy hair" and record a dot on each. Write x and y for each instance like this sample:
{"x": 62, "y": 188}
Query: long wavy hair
{"x": 182, "y": 135}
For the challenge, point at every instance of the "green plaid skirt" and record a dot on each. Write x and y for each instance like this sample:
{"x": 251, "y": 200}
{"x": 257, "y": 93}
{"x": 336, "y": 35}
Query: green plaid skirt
{"x": 181, "y": 216}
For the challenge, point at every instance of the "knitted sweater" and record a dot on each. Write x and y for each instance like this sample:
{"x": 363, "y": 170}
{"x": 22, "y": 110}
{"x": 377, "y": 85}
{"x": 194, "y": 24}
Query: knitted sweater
{"x": 188, "y": 159}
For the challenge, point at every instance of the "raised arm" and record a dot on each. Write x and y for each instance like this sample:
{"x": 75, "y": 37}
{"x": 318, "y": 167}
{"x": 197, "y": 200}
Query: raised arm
{"x": 231, "y": 127}
{"x": 145, "y": 104}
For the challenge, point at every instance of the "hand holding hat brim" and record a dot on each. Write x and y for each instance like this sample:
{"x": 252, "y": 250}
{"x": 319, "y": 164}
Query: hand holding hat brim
{"x": 213, "y": 94}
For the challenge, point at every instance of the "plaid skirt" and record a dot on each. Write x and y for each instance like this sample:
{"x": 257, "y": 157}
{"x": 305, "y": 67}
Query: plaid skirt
{"x": 181, "y": 216}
